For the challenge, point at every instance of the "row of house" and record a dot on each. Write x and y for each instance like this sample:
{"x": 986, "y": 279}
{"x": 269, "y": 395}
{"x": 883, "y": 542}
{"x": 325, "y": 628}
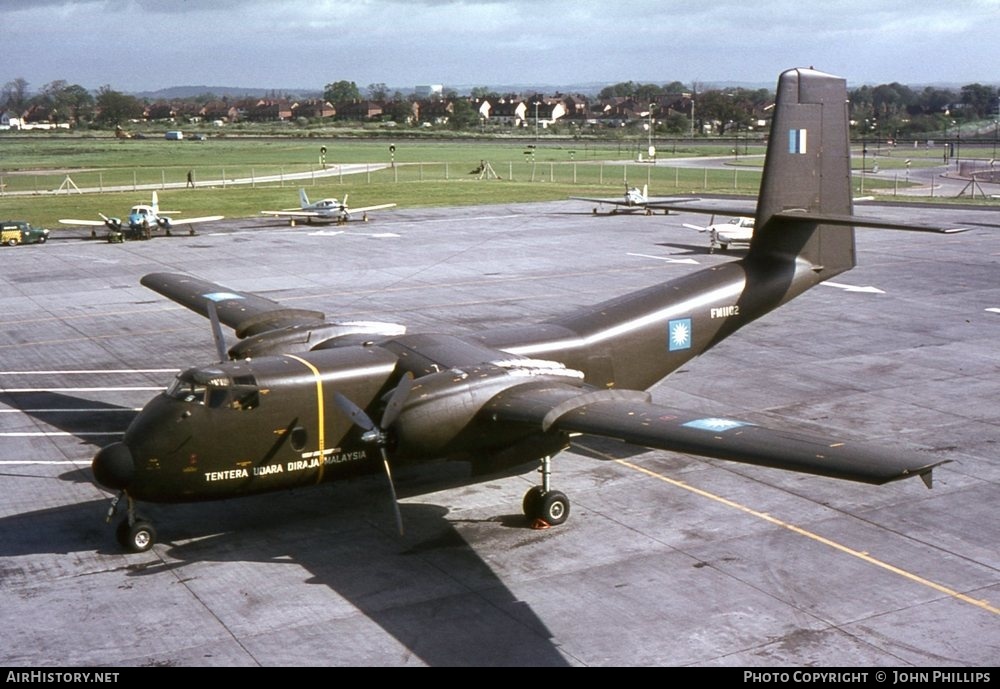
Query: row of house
{"x": 510, "y": 110}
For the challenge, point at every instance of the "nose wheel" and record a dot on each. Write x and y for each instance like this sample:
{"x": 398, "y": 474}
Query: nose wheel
{"x": 136, "y": 537}
{"x": 135, "y": 534}
{"x": 542, "y": 506}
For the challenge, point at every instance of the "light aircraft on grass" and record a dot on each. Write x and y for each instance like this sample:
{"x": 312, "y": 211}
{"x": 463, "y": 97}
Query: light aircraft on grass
{"x": 328, "y": 210}
{"x": 299, "y": 401}
{"x": 141, "y": 222}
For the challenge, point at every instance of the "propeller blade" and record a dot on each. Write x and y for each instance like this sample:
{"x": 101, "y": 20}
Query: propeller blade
{"x": 354, "y": 412}
{"x": 397, "y": 400}
{"x": 220, "y": 340}
{"x": 392, "y": 491}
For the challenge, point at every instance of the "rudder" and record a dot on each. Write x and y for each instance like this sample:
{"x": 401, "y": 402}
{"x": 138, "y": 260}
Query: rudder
{"x": 807, "y": 169}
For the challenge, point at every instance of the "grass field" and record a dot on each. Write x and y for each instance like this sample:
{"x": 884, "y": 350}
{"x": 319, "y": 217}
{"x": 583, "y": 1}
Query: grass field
{"x": 425, "y": 173}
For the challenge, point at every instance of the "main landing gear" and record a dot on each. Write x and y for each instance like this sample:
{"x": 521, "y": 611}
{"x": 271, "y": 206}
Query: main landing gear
{"x": 134, "y": 533}
{"x": 543, "y": 506}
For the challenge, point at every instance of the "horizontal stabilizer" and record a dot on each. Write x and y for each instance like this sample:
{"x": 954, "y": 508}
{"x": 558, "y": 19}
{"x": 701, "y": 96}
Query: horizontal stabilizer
{"x": 864, "y": 221}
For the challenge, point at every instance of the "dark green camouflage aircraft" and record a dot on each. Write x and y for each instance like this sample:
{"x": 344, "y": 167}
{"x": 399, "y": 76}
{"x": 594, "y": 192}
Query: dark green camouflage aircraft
{"x": 301, "y": 401}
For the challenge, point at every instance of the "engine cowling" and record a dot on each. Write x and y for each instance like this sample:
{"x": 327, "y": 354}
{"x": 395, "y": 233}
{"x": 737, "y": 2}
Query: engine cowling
{"x": 442, "y": 415}
{"x": 313, "y": 336}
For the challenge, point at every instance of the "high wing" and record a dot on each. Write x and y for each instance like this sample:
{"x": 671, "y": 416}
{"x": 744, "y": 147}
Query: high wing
{"x": 793, "y": 214}
{"x": 246, "y": 313}
{"x": 630, "y": 416}
{"x": 264, "y": 326}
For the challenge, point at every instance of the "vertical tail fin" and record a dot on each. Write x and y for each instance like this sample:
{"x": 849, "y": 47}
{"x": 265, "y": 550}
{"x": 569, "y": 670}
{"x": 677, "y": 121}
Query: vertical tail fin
{"x": 303, "y": 199}
{"x": 155, "y": 205}
{"x": 807, "y": 170}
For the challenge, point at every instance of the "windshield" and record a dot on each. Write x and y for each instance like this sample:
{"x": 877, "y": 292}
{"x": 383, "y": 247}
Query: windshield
{"x": 214, "y": 388}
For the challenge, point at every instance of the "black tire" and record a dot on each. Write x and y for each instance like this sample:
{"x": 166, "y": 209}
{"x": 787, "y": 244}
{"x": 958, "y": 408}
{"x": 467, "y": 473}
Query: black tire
{"x": 41, "y": 240}
{"x": 555, "y": 508}
{"x": 532, "y": 503}
{"x": 137, "y": 538}
{"x": 11, "y": 242}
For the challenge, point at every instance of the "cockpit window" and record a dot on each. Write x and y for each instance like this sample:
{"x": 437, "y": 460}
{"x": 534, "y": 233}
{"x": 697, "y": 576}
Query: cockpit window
{"x": 187, "y": 390}
{"x": 216, "y": 389}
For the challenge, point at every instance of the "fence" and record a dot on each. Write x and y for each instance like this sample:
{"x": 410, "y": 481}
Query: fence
{"x": 735, "y": 179}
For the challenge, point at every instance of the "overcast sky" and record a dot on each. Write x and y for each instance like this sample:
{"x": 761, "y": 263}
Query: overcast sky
{"x": 136, "y": 45}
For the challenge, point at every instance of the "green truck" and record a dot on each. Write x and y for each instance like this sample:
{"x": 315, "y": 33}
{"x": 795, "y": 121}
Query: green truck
{"x": 14, "y": 232}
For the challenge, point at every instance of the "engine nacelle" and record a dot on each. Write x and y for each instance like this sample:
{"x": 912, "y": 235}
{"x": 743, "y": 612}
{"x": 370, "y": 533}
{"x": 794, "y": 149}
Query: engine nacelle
{"x": 304, "y": 338}
{"x": 441, "y": 416}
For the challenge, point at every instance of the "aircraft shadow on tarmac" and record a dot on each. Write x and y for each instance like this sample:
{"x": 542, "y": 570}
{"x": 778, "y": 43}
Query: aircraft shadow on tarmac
{"x": 429, "y": 589}
{"x": 93, "y": 422}
{"x": 703, "y": 249}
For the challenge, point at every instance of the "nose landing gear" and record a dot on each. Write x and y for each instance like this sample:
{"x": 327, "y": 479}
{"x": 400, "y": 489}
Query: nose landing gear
{"x": 134, "y": 533}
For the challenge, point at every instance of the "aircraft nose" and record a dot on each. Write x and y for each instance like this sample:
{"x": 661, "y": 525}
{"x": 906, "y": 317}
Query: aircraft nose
{"x": 113, "y": 466}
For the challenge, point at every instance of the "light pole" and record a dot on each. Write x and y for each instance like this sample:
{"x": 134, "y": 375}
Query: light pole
{"x": 650, "y": 150}
{"x": 996, "y": 124}
{"x": 692, "y": 115}
{"x": 537, "y": 103}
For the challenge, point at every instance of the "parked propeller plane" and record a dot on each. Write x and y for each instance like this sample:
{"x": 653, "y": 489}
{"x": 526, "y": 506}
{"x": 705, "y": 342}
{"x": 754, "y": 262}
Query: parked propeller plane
{"x": 722, "y": 235}
{"x": 142, "y": 220}
{"x": 635, "y": 199}
{"x": 300, "y": 401}
{"x": 327, "y": 210}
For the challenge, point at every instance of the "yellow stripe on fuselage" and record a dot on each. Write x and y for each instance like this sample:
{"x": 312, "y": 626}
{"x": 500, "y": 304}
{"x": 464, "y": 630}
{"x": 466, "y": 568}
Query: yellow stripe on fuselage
{"x": 320, "y": 413}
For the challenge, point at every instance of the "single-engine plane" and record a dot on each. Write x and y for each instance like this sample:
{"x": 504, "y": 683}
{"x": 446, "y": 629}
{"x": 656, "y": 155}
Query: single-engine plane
{"x": 301, "y": 401}
{"x": 634, "y": 200}
{"x": 736, "y": 231}
{"x": 141, "y": 222}
{"x": 325, "y": 210}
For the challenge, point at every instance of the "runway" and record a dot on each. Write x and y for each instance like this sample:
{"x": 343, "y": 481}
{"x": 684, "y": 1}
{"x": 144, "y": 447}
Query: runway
{"x": 666, "y": 560}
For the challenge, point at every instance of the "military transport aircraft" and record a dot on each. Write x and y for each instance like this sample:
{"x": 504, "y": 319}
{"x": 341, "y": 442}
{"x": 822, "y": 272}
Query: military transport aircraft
{"x": 328, "y": 210}
{"x": 141, "y": 222}
{"x": 300, "y": 401}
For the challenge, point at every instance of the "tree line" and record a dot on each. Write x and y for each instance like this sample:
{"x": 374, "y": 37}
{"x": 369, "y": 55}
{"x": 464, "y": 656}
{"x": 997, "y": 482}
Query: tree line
{"x": 886, "y": 110}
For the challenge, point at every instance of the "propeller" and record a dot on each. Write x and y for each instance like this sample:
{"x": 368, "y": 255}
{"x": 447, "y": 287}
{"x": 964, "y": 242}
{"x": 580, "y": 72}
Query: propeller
{"x": 113, "y": 223}
{"x": 378, "y": 434}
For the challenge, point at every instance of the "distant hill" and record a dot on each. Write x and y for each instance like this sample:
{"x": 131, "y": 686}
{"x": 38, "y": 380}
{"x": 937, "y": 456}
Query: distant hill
{"x": 181, "y": 92}
{"x": 586, "y": 88}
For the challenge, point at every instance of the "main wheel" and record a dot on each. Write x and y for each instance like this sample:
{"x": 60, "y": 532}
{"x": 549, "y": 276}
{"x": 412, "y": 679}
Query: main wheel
{"x": 532, "y": 503}
{"x": 137, "y": 538}
{"x": 554, "y": 507}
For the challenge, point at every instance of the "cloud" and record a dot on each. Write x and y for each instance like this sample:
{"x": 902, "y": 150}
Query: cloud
{"x": 140, "y": 44}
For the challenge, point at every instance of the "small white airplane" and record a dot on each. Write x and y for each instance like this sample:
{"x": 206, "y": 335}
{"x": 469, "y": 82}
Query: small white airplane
{"x": 142, "y": 220}
{"x": 635, "y": 199}
{"x": 738, "y": 230}
{"x": 328, "y": 210}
